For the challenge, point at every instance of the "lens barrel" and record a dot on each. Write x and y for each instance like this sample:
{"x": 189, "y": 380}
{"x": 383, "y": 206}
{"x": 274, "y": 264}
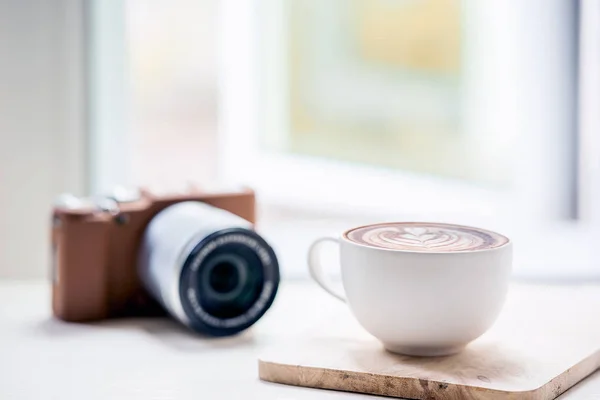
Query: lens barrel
{"x": 208, "y": 268}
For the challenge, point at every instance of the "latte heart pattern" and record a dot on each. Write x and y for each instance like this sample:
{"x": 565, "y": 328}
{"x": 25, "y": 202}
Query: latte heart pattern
{"x": 426, "y": 237}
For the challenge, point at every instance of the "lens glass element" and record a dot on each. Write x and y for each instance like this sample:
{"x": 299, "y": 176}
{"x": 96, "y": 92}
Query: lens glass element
{"x": 229, "y": 281}
{"x": 224, "y": 277}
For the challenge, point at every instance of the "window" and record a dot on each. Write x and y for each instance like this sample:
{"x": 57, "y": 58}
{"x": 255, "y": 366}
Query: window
{"x": 154, "y": 93}
{"x": 381, "y": 83}
{"x": 172, "y": 65}
{"x": 334, "y": 88}
{"x": 340, "y": 112}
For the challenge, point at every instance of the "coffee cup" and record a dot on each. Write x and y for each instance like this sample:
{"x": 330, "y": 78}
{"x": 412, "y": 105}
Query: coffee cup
{"x": 422, "y": 289}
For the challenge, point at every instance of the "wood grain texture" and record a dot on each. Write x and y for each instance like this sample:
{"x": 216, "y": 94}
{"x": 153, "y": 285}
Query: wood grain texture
{"x": 546, "y": 340}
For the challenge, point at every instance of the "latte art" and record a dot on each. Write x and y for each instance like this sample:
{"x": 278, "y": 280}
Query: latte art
{"x": 426, "y": 237}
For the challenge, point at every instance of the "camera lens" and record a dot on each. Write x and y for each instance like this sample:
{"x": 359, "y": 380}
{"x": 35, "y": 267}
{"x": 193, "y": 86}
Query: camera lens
{"x": 208, "y": 268}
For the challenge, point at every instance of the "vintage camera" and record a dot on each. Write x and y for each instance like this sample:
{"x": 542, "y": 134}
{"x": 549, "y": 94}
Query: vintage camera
{"x": 133, "y": 253}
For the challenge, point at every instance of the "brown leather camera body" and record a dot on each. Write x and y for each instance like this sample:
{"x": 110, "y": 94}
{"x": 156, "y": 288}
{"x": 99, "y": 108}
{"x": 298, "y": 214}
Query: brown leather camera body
{"x": 95, "y": 254}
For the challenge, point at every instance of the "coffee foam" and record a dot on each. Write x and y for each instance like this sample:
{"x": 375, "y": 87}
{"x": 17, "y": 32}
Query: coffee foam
{"x": 426, "y": 237}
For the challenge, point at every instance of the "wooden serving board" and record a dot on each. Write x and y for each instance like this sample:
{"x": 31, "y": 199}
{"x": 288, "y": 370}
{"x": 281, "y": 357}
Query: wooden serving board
{"x": 546, "y": 340}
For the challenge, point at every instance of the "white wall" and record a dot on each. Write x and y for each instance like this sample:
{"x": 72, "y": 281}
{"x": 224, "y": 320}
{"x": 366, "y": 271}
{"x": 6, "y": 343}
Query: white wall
{"x": 41, "y": 125}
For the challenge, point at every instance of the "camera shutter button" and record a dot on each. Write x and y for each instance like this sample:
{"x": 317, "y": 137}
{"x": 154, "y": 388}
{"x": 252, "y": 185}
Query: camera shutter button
{"x": 107, "y": 204}
{"x": 122, "y": 194}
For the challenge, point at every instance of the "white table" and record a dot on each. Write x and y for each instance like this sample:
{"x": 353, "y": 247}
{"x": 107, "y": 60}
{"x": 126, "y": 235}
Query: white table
{"x": 42, "y": 358}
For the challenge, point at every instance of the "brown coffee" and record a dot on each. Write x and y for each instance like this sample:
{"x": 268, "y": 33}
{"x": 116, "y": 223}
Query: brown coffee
{"x": 425, "y": 237}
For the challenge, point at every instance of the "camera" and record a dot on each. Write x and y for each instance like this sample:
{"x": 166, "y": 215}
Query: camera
{"x": 193, "y": 255}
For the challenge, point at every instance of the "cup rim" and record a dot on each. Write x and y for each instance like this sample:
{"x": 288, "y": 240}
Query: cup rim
{"x": 345, "y": 238}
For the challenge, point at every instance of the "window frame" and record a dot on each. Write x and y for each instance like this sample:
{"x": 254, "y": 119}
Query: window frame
{"x": 588, "y": 117}
{"x": 106, "y": 63}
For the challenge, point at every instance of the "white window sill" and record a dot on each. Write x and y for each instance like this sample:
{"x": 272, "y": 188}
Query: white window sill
{"x": 551, "y": 251}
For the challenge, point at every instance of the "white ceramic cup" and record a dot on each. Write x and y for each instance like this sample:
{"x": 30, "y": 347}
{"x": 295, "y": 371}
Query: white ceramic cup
{"x": 419, "y": 303}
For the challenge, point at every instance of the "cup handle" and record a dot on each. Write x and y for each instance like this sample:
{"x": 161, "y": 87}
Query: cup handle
{"x": 315, "y": 266}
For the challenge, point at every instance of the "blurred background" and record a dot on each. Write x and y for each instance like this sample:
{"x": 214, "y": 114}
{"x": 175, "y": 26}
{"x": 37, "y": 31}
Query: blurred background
{"x": 337, "y": 112}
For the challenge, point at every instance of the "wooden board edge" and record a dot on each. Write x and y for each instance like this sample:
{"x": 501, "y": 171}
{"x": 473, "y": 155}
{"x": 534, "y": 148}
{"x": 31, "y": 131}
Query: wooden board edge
{"x": 392, "y": 386}
{"x": 567, "y": 379}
